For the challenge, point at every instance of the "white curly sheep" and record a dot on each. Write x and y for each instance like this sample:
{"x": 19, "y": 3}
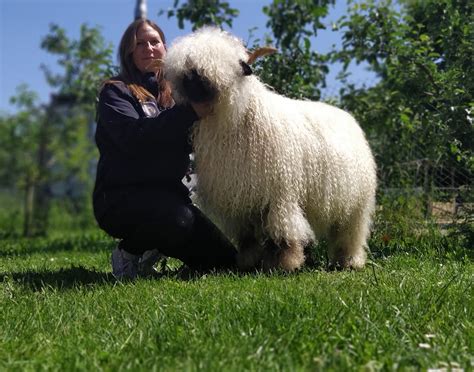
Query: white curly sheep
{"x": 275, "y": 173}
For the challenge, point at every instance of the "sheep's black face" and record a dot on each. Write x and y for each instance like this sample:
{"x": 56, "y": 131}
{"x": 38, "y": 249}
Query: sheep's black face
{"x": 197, "y": 88}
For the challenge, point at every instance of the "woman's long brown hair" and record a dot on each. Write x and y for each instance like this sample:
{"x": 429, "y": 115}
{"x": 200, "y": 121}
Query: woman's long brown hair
{"x": 129, "y": 73}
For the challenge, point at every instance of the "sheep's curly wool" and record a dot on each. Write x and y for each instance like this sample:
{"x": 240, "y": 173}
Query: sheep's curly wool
{"x": 275, "y": 173}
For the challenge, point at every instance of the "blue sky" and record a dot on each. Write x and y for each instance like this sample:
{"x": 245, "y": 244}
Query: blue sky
{"x": 23, "y": 23}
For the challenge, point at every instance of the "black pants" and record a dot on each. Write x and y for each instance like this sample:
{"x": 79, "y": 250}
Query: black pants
{"x": 165, "y": 219}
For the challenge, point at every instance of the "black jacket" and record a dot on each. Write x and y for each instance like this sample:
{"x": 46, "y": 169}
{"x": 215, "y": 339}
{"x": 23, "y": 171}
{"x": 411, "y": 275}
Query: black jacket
{"x": 140, "y": 145}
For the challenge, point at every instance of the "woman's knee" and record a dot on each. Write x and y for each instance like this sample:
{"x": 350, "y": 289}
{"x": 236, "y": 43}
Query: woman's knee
{"x": 183, "y": 219}
{"x": 177, "y": 226}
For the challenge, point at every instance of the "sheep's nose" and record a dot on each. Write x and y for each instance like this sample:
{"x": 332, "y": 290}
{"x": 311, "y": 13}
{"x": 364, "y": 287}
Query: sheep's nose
{"x": 197, "y": 88}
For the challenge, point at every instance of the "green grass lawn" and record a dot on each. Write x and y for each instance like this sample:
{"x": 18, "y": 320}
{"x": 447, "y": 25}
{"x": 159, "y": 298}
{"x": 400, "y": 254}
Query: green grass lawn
{"x": 60, "y": 309}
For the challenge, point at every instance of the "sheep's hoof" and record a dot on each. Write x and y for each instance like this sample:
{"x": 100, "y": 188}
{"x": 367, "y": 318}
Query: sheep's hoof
{"x": 347, "y": 263}
{"x": 291, "y": 259}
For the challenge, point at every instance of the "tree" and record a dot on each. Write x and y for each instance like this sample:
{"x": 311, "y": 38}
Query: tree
{"x": 85, "y": 63}
{"x": 52, "y": 145}
{"x": 202, "y": 12}
{"x": 18, "y": 150}
{"x": 65, "y": 147}
{"x": 296, "y": 70}
{"x": 419, "y": 117}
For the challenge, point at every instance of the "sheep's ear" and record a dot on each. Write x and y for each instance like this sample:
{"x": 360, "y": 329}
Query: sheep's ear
{"x": 246, "y": 69}
{"x": 260, "y": 52}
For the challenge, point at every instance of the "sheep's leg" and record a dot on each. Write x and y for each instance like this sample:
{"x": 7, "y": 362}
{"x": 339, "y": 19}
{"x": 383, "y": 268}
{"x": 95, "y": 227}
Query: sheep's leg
{"x": 289, "y": 233}
{"x": 347, "y": 244}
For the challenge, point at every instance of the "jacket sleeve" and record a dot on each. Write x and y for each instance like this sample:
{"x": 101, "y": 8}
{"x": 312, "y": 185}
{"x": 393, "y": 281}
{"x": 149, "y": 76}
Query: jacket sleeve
{"x": 121, "y": 121}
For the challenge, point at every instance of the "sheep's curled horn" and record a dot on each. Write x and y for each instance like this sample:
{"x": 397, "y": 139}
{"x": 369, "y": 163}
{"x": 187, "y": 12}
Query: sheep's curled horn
{"x": 253, "y": 56}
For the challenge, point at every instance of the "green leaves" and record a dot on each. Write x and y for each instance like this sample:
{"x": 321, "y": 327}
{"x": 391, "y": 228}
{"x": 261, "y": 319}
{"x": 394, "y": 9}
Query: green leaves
{"x": 19, "y": 139}
{"x": 296, "y": 70}
{"x": 202, "y": 12}
{"x": 86, "y": 62}
{"x": 423, "y": 56}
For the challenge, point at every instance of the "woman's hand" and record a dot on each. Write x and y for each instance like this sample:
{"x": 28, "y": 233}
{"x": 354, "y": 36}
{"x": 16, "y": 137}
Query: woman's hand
{"x": 202, "y": 109}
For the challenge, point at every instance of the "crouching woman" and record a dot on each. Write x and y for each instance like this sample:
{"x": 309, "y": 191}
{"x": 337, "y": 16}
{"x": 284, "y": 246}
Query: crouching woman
{"x": 143, "y": 140}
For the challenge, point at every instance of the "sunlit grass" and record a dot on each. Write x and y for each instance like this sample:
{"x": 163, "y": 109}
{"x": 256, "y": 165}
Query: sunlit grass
{"x": 61, "y": 309}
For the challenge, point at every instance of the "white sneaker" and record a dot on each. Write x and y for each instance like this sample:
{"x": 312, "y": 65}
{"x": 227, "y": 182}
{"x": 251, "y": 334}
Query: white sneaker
{"x": 129, "y": 266}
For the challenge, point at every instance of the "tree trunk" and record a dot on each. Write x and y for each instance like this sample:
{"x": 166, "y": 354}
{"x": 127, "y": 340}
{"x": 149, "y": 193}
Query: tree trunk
{"x": 28, "y": 209}
{"x": 41, "y": 200}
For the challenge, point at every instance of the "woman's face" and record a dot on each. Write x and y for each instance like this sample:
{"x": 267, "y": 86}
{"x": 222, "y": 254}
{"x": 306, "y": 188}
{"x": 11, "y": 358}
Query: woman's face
{"x": 148, "y": 50}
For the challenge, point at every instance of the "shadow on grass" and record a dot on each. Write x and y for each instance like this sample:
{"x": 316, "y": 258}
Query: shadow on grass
{"x": 87, "y": 242}
{"x": 62, "y": 279}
